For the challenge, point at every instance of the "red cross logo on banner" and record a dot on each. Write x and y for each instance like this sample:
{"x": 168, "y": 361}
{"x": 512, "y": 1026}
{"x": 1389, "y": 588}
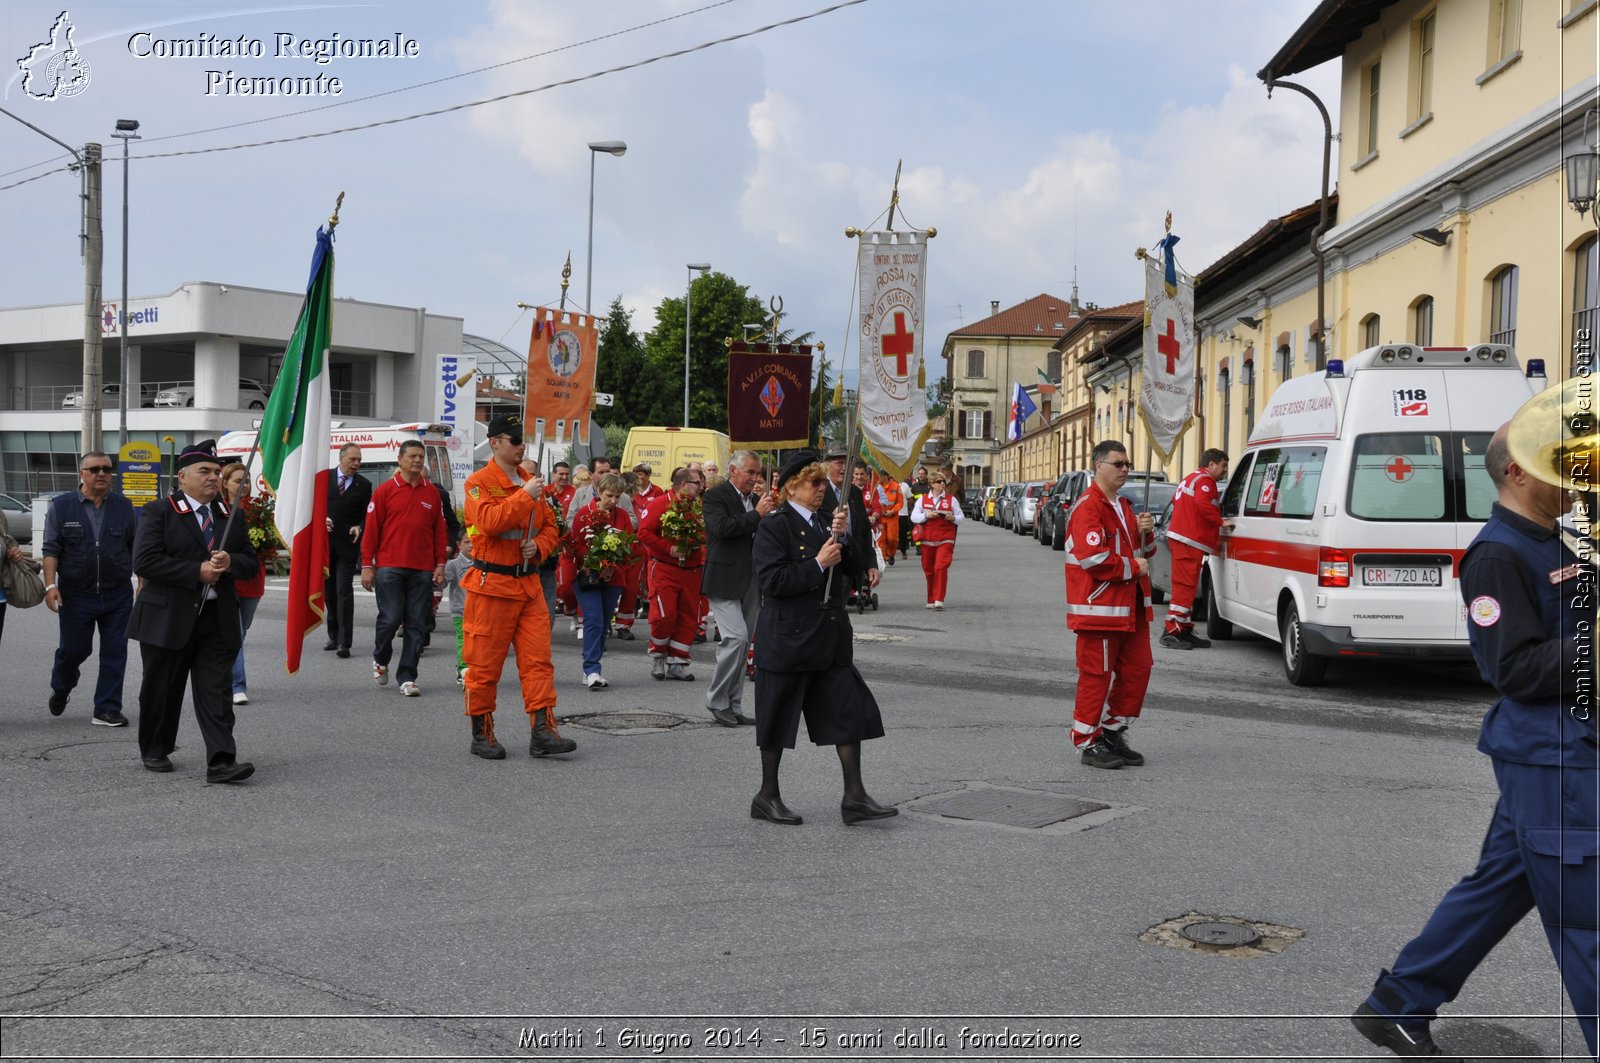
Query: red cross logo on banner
{"x": 1167, "y": 344}
{"x": 1399, "y": 469}
{"x": 899, "y": 345}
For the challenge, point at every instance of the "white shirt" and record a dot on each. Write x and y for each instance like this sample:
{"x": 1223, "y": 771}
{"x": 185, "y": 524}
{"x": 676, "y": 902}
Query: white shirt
{"x": 195, "y": 506}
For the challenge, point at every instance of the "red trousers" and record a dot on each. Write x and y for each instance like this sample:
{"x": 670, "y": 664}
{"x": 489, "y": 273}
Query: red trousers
{"x": 632, "y": 580}
{"x": 674, "y": 609}
{"x": 936, "y": 567}
{"x": 566, "y": 572}
{"x": 1186, "y": 562}
{"x": 1113, "y": 673}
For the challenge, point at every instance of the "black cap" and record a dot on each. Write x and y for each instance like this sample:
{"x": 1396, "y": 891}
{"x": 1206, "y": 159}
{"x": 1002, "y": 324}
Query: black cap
{"x": 800, "y": 461}
{"x": 507, "y": 424}
{"x": 205, "y": 450}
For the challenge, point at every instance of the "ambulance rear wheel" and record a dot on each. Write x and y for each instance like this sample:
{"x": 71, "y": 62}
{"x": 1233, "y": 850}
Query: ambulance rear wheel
{"x": 1302, "y": 669}
{"x": 1217, "y": 628}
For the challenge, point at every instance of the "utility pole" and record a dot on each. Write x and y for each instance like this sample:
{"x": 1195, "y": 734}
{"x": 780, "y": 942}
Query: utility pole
{"x": 93, "y": 253}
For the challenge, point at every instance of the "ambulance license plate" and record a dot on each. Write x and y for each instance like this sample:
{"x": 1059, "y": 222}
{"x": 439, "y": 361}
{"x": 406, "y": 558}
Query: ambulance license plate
{"x": 1393, "y": 576}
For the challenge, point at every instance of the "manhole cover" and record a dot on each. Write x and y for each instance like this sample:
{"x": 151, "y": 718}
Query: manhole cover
{"x": 1011, "y": 808}
{"x": 875, "y": 636}
{"x": 623, "y": 722}
{"x": 1222, "y": 935}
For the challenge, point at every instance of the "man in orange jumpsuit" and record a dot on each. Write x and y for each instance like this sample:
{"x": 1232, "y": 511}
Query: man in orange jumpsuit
{"x": 891, "y": 500}
{"x": 512, "y": 531}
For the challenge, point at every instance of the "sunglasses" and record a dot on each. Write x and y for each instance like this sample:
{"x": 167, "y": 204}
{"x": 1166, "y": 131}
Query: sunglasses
{"x": 98, "y": 470}
{"x": 1118, "y": 464}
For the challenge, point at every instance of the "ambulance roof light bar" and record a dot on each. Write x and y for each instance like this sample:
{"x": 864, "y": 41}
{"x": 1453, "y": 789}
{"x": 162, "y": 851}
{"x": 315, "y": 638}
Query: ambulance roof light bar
{"x": 1535, "y": 368}
{"x": 1335, "y": 368}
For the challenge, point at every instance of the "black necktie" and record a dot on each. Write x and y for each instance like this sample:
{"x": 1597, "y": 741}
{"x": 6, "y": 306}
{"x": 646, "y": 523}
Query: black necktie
{"x": 816, "y": 522}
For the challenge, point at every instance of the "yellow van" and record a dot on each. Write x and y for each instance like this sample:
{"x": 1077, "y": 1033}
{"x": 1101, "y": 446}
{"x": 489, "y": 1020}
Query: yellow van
{"x": 665, "y": 449}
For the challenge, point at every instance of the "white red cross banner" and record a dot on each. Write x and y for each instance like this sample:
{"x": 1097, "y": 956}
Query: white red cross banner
{"x": 1166, "y": 392}
{"x": 894, "y": 415}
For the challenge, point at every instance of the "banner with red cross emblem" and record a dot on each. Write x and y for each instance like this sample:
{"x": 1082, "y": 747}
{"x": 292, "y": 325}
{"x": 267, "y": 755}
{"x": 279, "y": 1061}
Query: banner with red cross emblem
{"x": 1166, "y": 392}
{"x": 894, "y": 415}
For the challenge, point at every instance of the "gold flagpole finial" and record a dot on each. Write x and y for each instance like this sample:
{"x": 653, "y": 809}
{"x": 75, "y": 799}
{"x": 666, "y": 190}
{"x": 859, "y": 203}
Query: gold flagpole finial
{"x": 851, "y": 232}
{"x": 1169, "y": 221}
{"x": 333, "y": 219}
{"x": 566, "y": 279}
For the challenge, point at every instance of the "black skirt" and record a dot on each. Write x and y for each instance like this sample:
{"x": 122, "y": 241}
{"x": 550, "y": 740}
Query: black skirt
{"x": 837, "y": 705}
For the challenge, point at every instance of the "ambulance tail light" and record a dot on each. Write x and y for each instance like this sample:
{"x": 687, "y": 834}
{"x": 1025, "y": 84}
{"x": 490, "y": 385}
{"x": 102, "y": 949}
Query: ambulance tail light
{"x": 1333, "y": 567}
{"x": 1335, "y": 367}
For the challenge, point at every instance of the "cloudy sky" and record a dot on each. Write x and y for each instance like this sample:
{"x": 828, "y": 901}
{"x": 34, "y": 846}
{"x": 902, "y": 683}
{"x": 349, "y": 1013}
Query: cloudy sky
{"x": 1038, "y": 136}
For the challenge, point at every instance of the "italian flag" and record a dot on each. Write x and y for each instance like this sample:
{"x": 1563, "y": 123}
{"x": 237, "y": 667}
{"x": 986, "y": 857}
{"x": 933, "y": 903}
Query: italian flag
{"x": 295, "y": 436}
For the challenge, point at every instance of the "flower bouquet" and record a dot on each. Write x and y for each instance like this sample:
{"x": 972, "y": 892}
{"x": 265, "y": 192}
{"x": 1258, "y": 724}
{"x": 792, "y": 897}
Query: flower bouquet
{"x": 562, "y": 530}
{"x": 683, "y": 526}
{"x": 606, "y": 548}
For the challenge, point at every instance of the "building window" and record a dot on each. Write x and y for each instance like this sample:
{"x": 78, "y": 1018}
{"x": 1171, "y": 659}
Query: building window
{"x": 1371, "y": 329}
{"x": 1505, "y": 33}
{"x": 975, "y": 363}
{"x": 1369, "y": 109}
{"x": 1249, "y": 372}
{"x": 1503, "y": 306}
{"x": 1227, "y": 403}
{"x": 1585, "y": 301}
{"x": 1285, "y": 360}
{"x": 972, "y": 424}
{"x": 1422, "y": 321}
{"x": 1422, "y": 65}
{"x": 1052, "y": 366}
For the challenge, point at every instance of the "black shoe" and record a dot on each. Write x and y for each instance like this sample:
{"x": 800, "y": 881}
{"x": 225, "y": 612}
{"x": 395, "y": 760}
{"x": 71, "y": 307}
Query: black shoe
{"x": 856, "y": 811}
{"x": 1118, "y": 741}
{"x": 329, "y": 645}
{"x": 238, "y": 771}
{"x": 109, "y": 719}
{"x": 700, "y": 639}
{"x": 1195, "y": 640}
{"x": 773, "y": 810}
{"x": 1386, "y": 1033}
{"x": 1098, "y": 754}
{"x": 1174, "y": 642}
{"x": 545, "y": 739}
{"x": 743, "y": 720}
{"x": 342, "y": 651}
{"x": 483, "y": 740}
{"x": 157, "y": 764}
{"x": 626, "y": 634}
{"x": 58, "y": 703}
{"x": 726, "y": 717}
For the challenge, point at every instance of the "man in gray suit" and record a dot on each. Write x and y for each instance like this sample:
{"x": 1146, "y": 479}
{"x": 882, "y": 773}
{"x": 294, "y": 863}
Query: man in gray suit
{"x": 732, "y": 509}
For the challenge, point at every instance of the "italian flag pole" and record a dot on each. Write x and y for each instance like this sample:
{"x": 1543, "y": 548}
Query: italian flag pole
{"x": 295, "y": 436}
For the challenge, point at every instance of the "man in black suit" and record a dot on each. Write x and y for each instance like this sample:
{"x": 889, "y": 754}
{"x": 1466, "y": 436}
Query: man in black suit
{"x": 186, "y": 617}
{"x": 805, "y": 662}
{"x": 732, "y": 510}
{"x": 858, "y": 529}
{"x": 348, "y": 495}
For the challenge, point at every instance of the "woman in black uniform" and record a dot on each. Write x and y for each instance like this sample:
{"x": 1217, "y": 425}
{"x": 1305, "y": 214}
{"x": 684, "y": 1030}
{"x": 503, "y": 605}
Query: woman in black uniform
{"x": 804, "y": 647}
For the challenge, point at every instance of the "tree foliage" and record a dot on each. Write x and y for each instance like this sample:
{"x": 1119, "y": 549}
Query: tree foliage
{"x": 719, "y": 306}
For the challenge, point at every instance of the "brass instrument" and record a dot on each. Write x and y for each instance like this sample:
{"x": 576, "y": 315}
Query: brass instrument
{"x": 1555, "y": 436}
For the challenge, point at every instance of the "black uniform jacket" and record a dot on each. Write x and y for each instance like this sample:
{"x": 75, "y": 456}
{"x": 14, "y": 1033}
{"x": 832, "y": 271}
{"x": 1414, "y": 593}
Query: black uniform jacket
{"x": 794, "y": 632}
{"x": 730, "y": 538}
{"x": 167, "y": 551}
{"x": 347, "y": 511}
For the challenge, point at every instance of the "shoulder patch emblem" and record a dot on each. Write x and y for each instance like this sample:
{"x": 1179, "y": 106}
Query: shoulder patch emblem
{"x": 474, "y": 491}
{"x": 372, "y": 507}
{"x": 1093, "y": 538}
{"x": 1484, "y": 611}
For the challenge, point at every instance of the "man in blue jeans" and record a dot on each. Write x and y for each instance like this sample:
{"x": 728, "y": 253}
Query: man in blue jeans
{"x": 88, "y": 577}
{"x": 402, "y": 560}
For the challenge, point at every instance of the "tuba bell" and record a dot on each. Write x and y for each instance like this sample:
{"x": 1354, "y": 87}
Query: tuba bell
{"x": 1555, "y": 436}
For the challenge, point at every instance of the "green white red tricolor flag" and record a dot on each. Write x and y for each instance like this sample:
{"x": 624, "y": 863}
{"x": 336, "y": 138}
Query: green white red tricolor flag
{"x": 1166, "y": 390}
{"x": 892, "y": 267}
{"x": 296, "y": 432}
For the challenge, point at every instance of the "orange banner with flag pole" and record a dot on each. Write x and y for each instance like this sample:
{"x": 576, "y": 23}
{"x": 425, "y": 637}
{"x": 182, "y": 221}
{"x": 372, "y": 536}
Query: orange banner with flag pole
{"x": 562, "y": 353}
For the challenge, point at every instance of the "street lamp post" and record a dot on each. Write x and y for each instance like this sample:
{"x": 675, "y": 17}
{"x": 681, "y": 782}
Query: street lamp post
{"x": 688, "y": 306}
{"x": 127, "y": 129}
{"x": 610, "y": 147}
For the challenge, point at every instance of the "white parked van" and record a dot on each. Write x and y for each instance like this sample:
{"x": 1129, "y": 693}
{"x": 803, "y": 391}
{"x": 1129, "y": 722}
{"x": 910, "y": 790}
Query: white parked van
{"x": 1345, "y": 519}
{"x": 380, "y": 451}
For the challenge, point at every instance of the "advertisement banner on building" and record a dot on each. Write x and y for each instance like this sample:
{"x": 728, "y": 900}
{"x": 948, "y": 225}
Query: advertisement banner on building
{"x": 1166, "y": 392}
{"x": 139, "y": 470}
{"x": 455, "y": 391}
{"x": 769, "y": 395}
{"x": 892, "y": 267}
{"x": 561, "y": 364}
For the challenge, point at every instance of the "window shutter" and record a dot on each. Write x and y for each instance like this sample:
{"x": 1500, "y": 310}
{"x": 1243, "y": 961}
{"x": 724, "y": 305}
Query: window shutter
{"x": 988, "y": 424}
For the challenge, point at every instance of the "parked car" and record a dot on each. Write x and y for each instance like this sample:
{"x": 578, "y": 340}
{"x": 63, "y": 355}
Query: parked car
{"x": 18, "y": 519}
{"x": 252, "y": 395}
{"x": 972, "y": 501}
{"x": 1050, "y": 526}
{"x": 986, "y": 505}
{"x": 1027, "y": 505}
{"x": 1004, "y": 503}
{"x": 110, "y": 394}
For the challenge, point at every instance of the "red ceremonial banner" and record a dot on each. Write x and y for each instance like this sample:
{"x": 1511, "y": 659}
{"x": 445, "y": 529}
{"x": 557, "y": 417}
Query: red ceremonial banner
{"x": 769, "y": 395}
{"x": 561, "y": 364}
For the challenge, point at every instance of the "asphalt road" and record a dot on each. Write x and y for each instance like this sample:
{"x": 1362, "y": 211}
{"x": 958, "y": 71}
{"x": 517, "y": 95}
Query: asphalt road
{"x": 375, "y": 891}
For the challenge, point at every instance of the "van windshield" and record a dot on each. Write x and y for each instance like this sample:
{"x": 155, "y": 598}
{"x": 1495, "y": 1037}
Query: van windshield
{"x": 1421, "y": 476}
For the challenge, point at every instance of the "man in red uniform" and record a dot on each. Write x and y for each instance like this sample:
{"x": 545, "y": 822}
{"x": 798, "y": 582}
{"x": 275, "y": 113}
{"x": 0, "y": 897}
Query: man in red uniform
{"x": 402, "y": 561}
{"x": 643, "y": 492}
{"x": 1108, "y": 606}
{"x": 512, "y": 531}
{"x": 1191, "y": 535}
{"x": 673, "y": 576}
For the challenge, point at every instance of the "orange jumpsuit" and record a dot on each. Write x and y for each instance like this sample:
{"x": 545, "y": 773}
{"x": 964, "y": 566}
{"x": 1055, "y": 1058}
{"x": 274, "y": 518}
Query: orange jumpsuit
{"x": 893, "y": 502}
{"x": 505, "y": 610}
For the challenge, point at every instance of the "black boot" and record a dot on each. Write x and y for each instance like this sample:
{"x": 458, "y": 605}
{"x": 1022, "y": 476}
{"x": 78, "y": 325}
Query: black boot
{"x": 1118, "y": 741}
{"x": 483, "y": 743}
{"x": 545, "y": 738}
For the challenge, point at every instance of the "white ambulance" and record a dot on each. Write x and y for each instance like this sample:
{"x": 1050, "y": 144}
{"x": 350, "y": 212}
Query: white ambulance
{"x": 380, "y": 451}
{"x": 1345, "y": 518}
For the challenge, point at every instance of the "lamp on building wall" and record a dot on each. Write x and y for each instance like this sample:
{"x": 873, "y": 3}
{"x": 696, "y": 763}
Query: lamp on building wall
{"x": 1583, "y": 168}
{"x": 1434, "y": 236}
{"x": 1251, "y": 323}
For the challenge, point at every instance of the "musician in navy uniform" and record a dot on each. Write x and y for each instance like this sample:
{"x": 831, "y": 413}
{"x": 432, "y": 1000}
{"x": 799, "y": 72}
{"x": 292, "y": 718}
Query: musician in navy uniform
{"x": 804, "y": 655}
{"x": 186, "y": 617}
{"x": 1531, "y": 605}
